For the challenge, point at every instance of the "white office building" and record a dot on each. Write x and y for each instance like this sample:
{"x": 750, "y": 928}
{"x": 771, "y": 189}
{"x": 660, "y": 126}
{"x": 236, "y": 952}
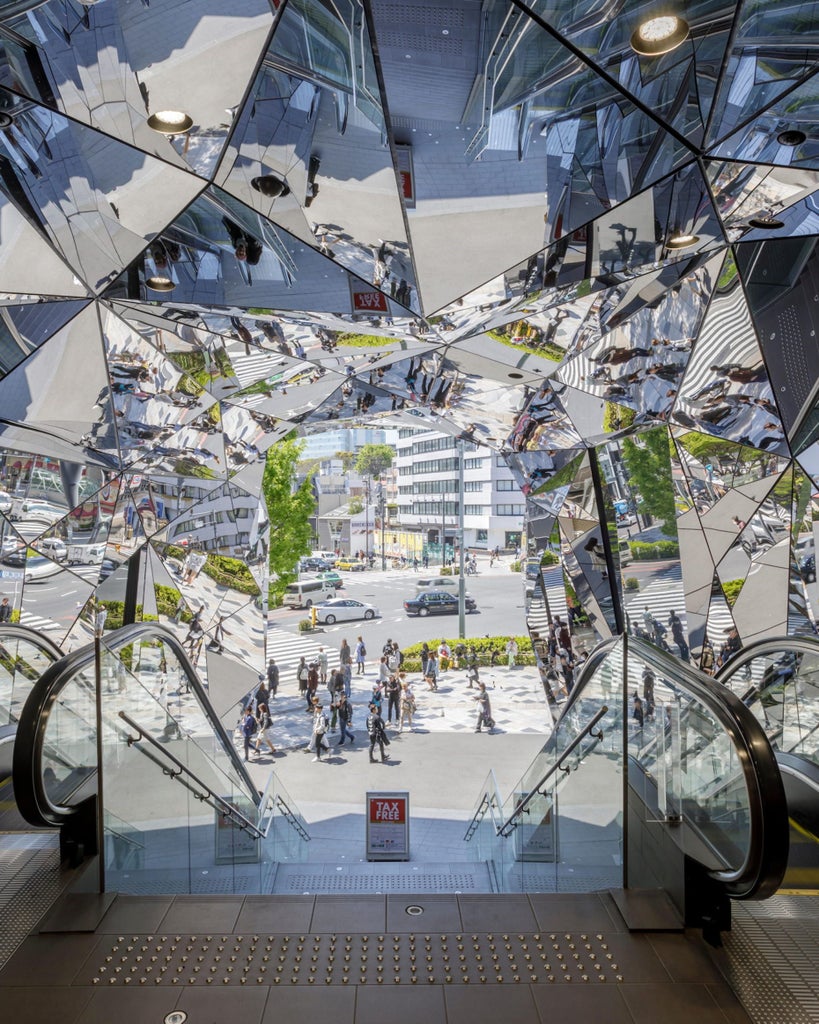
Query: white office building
{"x": 429, "y": 498}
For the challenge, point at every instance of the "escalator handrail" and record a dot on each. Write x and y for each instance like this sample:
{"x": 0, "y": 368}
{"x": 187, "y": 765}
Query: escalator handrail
{"x": 29, "y": 789}
{"x": 16, "y": 631}
{"x": 760, "y": 648}
{"x": 761, "y": 873}
{"x": 766, "y": 860}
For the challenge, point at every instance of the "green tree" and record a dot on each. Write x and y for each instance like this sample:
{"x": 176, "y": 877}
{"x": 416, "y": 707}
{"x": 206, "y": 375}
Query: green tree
{"x": 647, "y": 458}
{"x": 289, "y": 508}
{"x": 373, "y": 460}
{"x": 347, "y": 460}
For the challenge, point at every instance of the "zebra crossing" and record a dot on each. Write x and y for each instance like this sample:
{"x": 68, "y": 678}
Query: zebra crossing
{"x": 287, "y": 648}
{"x": 665, "y": 593}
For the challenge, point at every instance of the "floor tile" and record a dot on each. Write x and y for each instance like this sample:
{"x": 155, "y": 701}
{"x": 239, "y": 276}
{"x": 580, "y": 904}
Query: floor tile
{"x": 276, "y": 914}
{"x": 340, "y": 913}
{"x": 127, "y": 1007}
{"x": 36, "y": 1005}
{"x": 377, "y": 1004}
{"x": 672, "y": 1004}
{"x": 198, "y": 914}
{"x": 482, "y": 1004}
{"x": 496, "y": 913}
{"x": 208, "y": 1006}
{"x": 48, "y": 959}
{"x": 77, "y": 912}
{"x": 685, "y": 957}
{"x": 329, "y": 1004}
{"x": 440, "y": 913}
{"x": 581, "y": 1004}
{"x": 573, "y": 913}
{"x": 136, "y": 914}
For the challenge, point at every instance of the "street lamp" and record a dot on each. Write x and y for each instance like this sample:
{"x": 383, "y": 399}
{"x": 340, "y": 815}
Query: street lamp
{"x": 443, "y": 529}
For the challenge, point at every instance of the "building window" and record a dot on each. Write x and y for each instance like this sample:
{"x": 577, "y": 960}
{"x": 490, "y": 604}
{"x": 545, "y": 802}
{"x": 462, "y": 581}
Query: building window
{"x": 481, "y": 536}
{"x": 473, "y": 463}
{"x": 509, "y": 510}
{"x": 473, "y": 485}
{"x": 512, "y": 539}
{"x": 476, "y": 510}
{"x": 506, "y": 485}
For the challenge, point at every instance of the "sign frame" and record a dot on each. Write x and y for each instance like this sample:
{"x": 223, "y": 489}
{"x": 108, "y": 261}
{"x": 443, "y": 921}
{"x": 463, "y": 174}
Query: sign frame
{"x": 387, "y": 839}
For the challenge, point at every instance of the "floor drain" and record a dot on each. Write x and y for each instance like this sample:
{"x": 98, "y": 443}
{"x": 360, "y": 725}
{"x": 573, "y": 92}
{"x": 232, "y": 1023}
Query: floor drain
{"x": 414, "y": 910}
{"x": 176, "y": 1017}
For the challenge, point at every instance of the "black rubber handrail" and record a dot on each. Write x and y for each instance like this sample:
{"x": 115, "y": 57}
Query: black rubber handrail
{"x": 15, "y": 631}
{"x": 29, "y": 790}
{"x": 761, "y": 648}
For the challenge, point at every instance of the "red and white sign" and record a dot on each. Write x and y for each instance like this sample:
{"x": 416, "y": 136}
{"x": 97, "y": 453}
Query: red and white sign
{"x": 367, "y": 299}
{"x": 388, "y": 826}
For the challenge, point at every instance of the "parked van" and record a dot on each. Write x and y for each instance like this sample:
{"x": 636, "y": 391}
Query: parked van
{"x": 328, "y": 556}
{"x": 86, "y": 554}
{"x": 306, "y": 593}
{"x": 625, "y": 553}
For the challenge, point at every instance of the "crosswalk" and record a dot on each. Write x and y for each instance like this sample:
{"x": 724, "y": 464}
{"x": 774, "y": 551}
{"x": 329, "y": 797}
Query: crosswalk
{"x": 665, "y": 593}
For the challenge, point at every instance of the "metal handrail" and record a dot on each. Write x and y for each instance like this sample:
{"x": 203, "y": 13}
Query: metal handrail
{"x": 208, "y": 796}
{"x": 477, "y": 817}
{"x": 292, "y": 819}
{"x": 32, "y": 800}
{"x": 511, "y": 823}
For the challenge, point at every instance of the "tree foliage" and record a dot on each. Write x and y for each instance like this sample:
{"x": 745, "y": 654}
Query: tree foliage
{"x": 347, "y": 460}
{"x": 373, "y": 460}
{"x": 288, "y": 507}
{"x": 647, "y": 459}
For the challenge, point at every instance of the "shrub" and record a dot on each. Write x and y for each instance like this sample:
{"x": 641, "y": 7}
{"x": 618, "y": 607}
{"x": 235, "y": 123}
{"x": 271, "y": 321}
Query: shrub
{"x": 514, "y": 567}
{"x": 445, "y": 571}
{"x": 642, "y": 551}
{"x": 483, "y": 646}
{"x": 731, "y": 589}
{"x": 549, "y": 558}
{"x": 632, "y": 583}
{"x": 305, "y": 625}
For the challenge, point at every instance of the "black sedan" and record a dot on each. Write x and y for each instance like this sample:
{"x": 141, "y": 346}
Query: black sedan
{"x": 437, "y": 602}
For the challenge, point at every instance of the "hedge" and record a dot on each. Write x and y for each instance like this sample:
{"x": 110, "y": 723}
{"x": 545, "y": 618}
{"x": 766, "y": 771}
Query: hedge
{"x": 642, "y": 551}
{"x": 483, "y": 645}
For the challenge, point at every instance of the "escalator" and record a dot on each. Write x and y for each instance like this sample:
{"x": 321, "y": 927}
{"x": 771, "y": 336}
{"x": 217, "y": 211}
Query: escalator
{"x": 174, "y": 808}
{"x": 778, "y": 680}
{"x": 678, "y": 791}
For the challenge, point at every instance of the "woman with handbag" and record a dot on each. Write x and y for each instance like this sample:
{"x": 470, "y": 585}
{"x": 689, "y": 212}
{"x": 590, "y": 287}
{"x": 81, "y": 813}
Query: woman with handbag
{"x": 318, "y": 738}
{"x": 265, "y": 727}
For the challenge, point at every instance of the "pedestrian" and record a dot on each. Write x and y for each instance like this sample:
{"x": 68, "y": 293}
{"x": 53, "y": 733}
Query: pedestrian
{"x": 567, "y": 668}
{"x": 511, "y": 651}
{"x": 344, "y": 655}
{"x": 637, "y": 710}
{"x": 312, "y": 684}
{"x": 444, "y": 656}
{"x": 484, "y": 709}
{"x": 217, "y": 643}
{"x": 301, "y": 674}
{"x": 376, "y": 696}
{"x": 360, "y": 656}
{"x": 426, "y": 561}
{"x": 377, "y": 733}
{"x": 383, "y": 671}
{"x": 564, "y": 636}
{"x": 393, "y": 698}
{"x": 407, "y": 706}
{"x": 345, "y": 718}
{"x": 677, "y": 632}
{"x": 431, "y": 674}
{"x": 318, "y": 737}
{"x": 6, "y": 609}
{"x": 424, "y": 658}
{"x": 648, "y": 692}
{"x": 261, "y": 695}
{"x": 322, "y": 664}
{"x": 177, "y": 614}
{"x": 394, "y": 659}
{"x": 272, "y": 677}
{"x": 707, "y": 658}
{"x": 249, "y": 727}
{"x": 265, "y": 726}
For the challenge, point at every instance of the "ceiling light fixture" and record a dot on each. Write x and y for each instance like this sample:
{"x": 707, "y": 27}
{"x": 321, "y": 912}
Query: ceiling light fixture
{"x": 681, "y": 241}
{"x": 765, "y": 223}
{"x": 170, "y": 122}
{"x": 791, "y": 137}
{"x": 659, "y": 35}
{"x": 270, "y": 185}
{"x": 160, "y": 283}
{"x": 6, "y": 120}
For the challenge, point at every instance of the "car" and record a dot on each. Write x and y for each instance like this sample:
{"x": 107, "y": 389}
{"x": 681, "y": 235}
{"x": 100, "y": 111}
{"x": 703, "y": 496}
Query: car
{"x": 437, "y": 602}
{"x": 53, "y": 547}
{"x": 532, "y": 568}
{"x": 5, "y": 501}
{"x": 437, "y": 583}
{"x": 332, "y": 578}
{"x": 36, "y": 511}
{"x": 807, "y": 568}
{"x": 328, "y": 556}
{"x": 351, "y": 564}
{"x": 16, "y": 557}
{"x": 38, "y": 567}
{"x": 343, "y": 609}
{"x": 313, "y": 564}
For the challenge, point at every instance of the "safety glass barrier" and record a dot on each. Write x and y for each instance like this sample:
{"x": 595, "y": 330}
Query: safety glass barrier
{"x": 284, "y": 830}
{"x": 779, "y": 681}
{"x": 23, "y": 660}
{"x": 564, "y": 818}
{"x": 486, "y": 846}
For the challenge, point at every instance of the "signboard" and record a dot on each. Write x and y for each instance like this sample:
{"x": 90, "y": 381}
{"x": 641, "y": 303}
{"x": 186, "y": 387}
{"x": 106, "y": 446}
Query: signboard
{"x": 388, "y": 826}
{"x": 8, "y": 574}
{"x": 366, "y": 298}
{"x": 406, "y": 174}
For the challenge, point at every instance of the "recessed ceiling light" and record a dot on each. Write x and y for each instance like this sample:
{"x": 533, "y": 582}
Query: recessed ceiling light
{"x": 791, "y": 137}
{"x": 270, "y": 185}
{"x": 6, "y": 120}
{"x": 681, "y": 241}
{"x": 659, "y": 35}
{"x": 160, "y": 283}
{"x": 765, "y": 223}
{"x": 170, "y": 122}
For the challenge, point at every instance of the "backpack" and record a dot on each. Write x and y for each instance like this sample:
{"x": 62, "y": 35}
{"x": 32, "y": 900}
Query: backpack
{"x": 363, "y": 651}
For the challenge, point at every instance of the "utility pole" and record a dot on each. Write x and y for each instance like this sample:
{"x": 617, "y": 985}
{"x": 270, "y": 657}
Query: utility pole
{"x": 461, "y": 564}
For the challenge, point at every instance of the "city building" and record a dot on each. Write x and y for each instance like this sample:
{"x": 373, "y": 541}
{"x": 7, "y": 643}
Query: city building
{"x": 576, "y": 242}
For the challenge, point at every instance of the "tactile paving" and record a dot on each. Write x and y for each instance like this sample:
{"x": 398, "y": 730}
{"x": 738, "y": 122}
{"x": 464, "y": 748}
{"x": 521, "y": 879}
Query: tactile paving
{"x": 339, "y": 959}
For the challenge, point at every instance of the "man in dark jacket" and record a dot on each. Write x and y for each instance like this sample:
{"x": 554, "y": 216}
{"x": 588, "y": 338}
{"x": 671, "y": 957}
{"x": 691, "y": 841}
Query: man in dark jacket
{"x": 377, "y": 732}
{"x": 272, "y": 677}
{"x": 345, "y": 717}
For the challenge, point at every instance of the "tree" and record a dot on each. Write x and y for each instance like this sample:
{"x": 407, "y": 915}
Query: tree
{"x": 347, "y": 460}
{"x": 288, "y": 507}
{"x": 373, "y": 460}
{"x": 647, "y": 458}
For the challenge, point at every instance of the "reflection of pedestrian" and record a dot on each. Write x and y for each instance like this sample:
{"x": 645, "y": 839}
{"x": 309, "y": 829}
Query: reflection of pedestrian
{"x": 598, "y": 556}
{"x": 677, "y": 632}
{"x": 245, "y": 246}
{"x": 248, "y": 729}
{"x": 637, "y": 710}
{"x": 5, "y": 610}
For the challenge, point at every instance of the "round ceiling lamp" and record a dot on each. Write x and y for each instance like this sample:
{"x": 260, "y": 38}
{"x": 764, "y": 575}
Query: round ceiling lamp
{"x": 160, "y": 283}
{"x": 659, "y": 35}
{"x": 791, "y": 137}
{"x": 270, "y": 185}
{"x": 6, "y": 120}
{"x": 681, "y": 241}
{"x": 765, "y": 223}
{"x": 170, "y": 122}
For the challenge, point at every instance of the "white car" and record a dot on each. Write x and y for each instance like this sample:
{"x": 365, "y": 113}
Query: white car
{"x": 343, "y": 609}
{"x": 40, "y": 568}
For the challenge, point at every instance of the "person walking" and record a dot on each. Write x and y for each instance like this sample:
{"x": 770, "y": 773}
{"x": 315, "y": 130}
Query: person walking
{"x": 272, "y": 677}
{"x": 312, "y": 683}
{"x": 265, "y": 727}
{"x": 431, "y": 674}
{"x": 511, "y": 651}
{"x": 377, "y": 733}
{"x": 318, "y": 737}
{"x": 393, "y": 698}
{"x": 301, "y": 674}
{"x": 424, "y": 658}
{"x": 360, "y": 656}
{"x": 407, "y": 706}
{"x": 321, "y": 658}
{"x": 249, "y": 726}
{"x": 677, "y": 632}
{"x": 261, "y": 696}
{"x": 484, "y": 710}
{"x": 345, "y": 718}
